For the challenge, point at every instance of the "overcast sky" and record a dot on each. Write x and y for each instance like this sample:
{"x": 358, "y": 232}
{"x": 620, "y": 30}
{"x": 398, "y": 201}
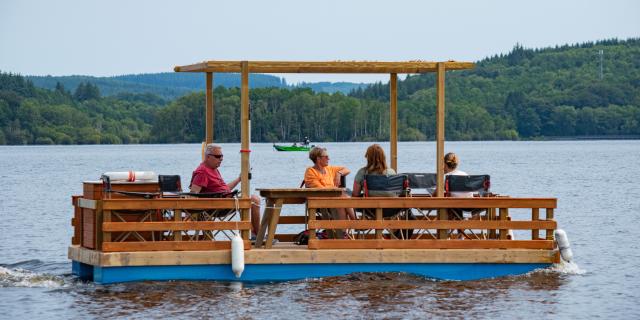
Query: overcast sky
{"x": 114, "y": 37}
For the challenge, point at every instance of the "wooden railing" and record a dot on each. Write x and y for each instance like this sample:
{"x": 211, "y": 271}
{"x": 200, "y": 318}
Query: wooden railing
{"x": 166, "y": 224}
{"x": 494, "y": 226}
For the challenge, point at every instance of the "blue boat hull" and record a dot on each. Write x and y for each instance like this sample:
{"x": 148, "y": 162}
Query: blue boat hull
{"x": 286, "y": 272}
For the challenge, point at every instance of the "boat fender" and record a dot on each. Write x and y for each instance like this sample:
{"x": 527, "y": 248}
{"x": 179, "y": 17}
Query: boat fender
{"x": 510, "y": 235}
{"x": 563, "y": 245}
{"x": 237, "y": 255}
{"x": 131, "y": 176}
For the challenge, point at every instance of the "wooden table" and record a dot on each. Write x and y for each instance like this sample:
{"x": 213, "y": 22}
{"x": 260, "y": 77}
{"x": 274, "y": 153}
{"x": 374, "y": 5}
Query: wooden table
{"x": 276, "y": 197}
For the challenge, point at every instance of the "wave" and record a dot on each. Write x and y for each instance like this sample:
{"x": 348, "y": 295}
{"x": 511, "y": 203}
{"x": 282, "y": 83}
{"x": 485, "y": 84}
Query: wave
{"x": 15, "y": 275}
{"x": 567, "y": 268}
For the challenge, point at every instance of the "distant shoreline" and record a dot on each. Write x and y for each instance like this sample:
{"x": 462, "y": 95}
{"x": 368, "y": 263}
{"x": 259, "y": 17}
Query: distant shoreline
{"x": 568, "y": 138}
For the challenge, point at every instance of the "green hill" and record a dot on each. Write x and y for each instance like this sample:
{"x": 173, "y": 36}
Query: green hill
{"x": 583, "y": 90}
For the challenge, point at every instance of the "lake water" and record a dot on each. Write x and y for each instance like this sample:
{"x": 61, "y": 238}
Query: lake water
{"x": 596, "y": 183}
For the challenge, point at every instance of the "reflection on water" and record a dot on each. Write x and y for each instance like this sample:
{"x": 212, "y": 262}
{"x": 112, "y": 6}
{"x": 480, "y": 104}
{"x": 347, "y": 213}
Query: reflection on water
{"x": 365, "y": 295}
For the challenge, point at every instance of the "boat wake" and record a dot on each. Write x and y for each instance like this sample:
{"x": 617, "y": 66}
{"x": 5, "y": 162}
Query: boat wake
{"x": 18, "y": 277}
{"x": 567, "y": 268}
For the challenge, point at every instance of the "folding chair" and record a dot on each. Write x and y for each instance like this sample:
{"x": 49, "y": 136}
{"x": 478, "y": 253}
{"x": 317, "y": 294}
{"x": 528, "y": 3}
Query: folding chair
{"x": 423, "y": 185}
{"x": 476, "y": 184}
{"x": 388, "y": 186}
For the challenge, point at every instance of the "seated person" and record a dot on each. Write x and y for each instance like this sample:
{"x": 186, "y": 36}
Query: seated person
{"x": 207, "y": 178}
{"x": 322, "y": 175}
{"x": 376, "y": 164}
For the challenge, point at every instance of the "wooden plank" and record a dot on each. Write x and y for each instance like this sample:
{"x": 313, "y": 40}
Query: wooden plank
{"x": 264, "y": 222}
{"x": 273, "y": 223}
{"x": 393, "y": 120}
{"x": 443, "y": 216}
{"x": 378, "y": 220}
{"x": 165, "y": 226}
{"x": 431, "y": 203}
{"x": 504, "y": 213}
{"x": 175, "y": 203}
{"x": 549, "y": 232}
{"x": 292, "y": 220}
{"x": 106, "y": 218}
{"x": 99, "y": 218}
{"x": 177, "y": 217}
{"x": 440, "y": 129}
{"x": 169, "y": 246}
{"x": 87, "y": 203}
{"x": 298, "y": 255}
{"x": 431, "y": 224}
{"x": 429, "y": 244}
{"x": 209, "y": 117}
{"x": 323, "y": 66}
{"x": 492, "y": 216}
{"x": 535, "y": 216}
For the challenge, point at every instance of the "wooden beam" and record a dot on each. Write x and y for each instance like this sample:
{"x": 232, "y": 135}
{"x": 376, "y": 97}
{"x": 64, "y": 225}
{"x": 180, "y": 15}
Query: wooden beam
{"x": 172, "y": 203}
{"x": 169, "y": 246}
{"x": 393, "y": 119}
{"x": 173, "y": 226}
{"x": 431, "y": 203}
{"x": 431, "y": 224}
{"x": 323, "y": 66}
{"x": 245, "y": 139}
{"x": 300, "y": 255}
{"x": 209, "y": 118}
{"x": 440, "y": 130}
{"x": 430, "y": 244}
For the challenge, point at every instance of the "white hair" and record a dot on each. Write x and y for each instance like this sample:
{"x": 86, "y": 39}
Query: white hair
{"x": 210, "y": 147}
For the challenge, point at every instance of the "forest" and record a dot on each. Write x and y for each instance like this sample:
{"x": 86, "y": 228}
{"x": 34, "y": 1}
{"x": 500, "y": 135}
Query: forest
{"x": 571, "y": 91}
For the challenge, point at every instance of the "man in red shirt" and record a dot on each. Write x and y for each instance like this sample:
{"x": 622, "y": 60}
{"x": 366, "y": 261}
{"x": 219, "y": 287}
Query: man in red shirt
{"x": 207, "y": 178}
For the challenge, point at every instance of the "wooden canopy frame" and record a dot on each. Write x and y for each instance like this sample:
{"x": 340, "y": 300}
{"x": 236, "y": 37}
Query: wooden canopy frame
{"x": 364, "y": 67}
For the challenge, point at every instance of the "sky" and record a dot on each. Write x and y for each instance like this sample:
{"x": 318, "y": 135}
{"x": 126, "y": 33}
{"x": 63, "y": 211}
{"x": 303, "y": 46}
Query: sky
{"x": 106, "y": 38}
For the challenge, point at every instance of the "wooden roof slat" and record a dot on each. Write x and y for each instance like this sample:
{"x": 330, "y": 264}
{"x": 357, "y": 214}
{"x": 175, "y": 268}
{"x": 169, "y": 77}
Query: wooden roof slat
{"x": 323, "y": 67}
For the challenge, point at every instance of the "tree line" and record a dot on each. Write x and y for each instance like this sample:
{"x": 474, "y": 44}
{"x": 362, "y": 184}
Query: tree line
{"x": 524, "y": 94}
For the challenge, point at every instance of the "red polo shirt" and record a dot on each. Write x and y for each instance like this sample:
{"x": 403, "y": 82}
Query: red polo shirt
{"x": 209, "y": 179}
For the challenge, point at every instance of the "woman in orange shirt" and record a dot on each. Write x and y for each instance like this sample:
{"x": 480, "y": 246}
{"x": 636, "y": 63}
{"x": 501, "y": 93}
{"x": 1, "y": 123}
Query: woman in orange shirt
{"x": 322, "y": 175}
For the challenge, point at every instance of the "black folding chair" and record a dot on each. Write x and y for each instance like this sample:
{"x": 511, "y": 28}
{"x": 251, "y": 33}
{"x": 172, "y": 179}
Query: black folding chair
{"x": 422, "y": 185}
{"x": 388, "y": 186}
{"x": 475, "y": 184}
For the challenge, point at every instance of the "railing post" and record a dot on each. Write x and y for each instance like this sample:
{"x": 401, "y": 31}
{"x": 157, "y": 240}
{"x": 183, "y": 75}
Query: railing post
{"x": 442, "y": 215}
{"x": 311, "y": 216}
{"x": 177, "y": 217}
{"x": 549, "y": 233}
{"x": 504, "y": 213}
{"x": 378, "y": 219}
{"x": 535, "y": 216}
{"x": 492, "y": 217}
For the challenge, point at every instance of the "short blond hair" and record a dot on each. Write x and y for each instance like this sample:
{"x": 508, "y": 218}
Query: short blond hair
{"x": 316, "y": 152}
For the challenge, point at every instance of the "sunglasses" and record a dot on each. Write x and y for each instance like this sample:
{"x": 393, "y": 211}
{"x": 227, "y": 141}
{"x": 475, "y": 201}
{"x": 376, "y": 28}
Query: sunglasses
{"x": 217, "y": 156}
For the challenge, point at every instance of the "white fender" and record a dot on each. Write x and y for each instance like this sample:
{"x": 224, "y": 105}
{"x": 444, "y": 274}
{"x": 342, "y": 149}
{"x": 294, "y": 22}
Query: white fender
{"x": 237, "y": 255}
{"x": 131, "y": 175}
{"x": 563, "y": 245}
{"x": 510, "y": 235}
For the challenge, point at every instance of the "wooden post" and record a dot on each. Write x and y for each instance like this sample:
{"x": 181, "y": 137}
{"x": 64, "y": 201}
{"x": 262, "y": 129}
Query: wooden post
{"x": 443, "y": 215}
{"x": 244, "y": 142}
{"x": 210, "y": 117}
{"x": 440, "y": 130}
{"x": 535, "y": 216}
{"x": 504, "y": 213}
{"x": 378, "y": 219}
{"x": 311, "y": 216}
{"x": 549, "y": 232}
{"x": 177, "y": 217}
{"x": 393, "y": 118}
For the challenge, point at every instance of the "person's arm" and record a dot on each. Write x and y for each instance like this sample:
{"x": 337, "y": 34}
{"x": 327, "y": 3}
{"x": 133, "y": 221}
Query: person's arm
{"x": 233, "y": 183}
{"x": 356, "y": 189}
{"x": 195, "y": 188}
{"x": 339, "y": 172}
{"x": 198, "y": 182}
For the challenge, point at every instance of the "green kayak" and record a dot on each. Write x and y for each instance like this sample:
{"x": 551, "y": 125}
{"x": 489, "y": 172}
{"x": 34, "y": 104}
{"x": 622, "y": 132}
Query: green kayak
{"x": 292, "y": 148}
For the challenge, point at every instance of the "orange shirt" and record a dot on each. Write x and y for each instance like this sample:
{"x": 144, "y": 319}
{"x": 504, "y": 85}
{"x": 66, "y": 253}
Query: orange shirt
{"x": 315, "y": 179}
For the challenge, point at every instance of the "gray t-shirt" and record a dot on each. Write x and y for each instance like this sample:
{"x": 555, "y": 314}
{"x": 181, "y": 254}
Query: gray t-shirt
{"x": 359, "y": 179}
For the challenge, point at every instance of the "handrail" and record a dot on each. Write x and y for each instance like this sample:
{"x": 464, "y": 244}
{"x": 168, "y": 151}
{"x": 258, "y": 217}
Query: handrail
{"x": 431, "y": 202}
